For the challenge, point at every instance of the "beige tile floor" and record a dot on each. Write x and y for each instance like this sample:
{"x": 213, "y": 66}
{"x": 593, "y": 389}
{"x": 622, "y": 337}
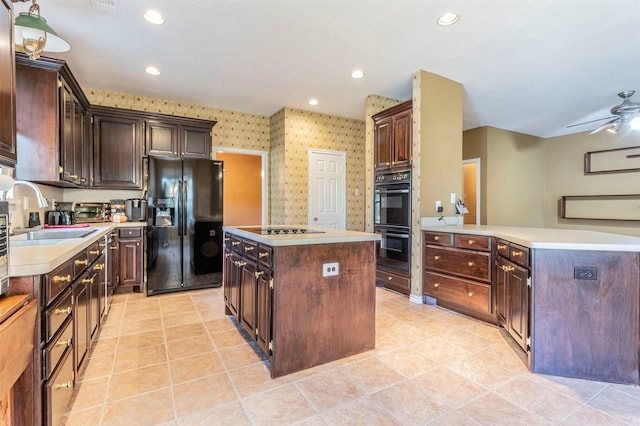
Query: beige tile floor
{"x": 178, "y": 360}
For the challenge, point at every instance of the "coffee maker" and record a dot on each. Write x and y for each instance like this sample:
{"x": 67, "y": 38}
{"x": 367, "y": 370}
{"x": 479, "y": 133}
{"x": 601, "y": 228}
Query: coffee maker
{"x": 136, "y": 209}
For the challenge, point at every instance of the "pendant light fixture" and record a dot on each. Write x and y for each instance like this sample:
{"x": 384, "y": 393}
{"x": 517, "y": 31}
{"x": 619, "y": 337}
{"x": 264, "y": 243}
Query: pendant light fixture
{"x": 33, "y": 35}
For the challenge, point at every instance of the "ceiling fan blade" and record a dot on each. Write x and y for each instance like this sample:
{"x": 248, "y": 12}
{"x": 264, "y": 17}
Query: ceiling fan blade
{"x": 605, "y": 126}
{"x": 592, "y": 121}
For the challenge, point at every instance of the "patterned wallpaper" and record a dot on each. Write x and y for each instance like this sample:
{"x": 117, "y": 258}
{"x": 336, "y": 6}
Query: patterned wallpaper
{"x": 288, "y": 134}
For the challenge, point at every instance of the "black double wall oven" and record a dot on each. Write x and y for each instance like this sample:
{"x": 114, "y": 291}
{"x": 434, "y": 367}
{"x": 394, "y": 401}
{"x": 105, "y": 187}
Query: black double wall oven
{"x": 392, "y": 220}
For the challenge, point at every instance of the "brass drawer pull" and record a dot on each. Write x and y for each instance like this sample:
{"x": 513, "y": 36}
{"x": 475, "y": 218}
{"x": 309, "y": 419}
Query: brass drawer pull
{"x": 235, "y": 243}
{"x": 87, "y": 280}
{"x": 65, "y": 311}
{"x": 249, "y": 248}
{"x": 58, "y": 278}
{"x": 102, "y": 245}
{"x": 469, "y": 263}
{"x": 73, "y": 176}
{"x": 507, "y": 268}
{"x": 258, "y": 274}
{"x": 64, "y": 342}
{"x": 436, "y": 285}
{"x": 390, "y": 278}
{"x": 502, "y": 246}
{"x": 116, "y": 247}
{"x": 436, "y": 238}
{"x": 239, "y": 263}
{"x": 98, "y": 267}
{"x": 470, "y": 293}
{"x": 227, "y": 255}
{"x": 227, "y": 238}
{"x": 82, "y": 262}
{"x": 66, "y": 385}
{"x": 516, "y": 253}
{"x": 263, "y": 254}
{"x": 96, "y": 252}
{"x": 436, "y": 257}
{"x": 470, "y": 242}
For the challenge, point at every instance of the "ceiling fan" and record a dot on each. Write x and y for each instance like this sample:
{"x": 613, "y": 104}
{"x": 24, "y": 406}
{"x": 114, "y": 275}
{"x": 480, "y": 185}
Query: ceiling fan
{"x": 626, "y": 113}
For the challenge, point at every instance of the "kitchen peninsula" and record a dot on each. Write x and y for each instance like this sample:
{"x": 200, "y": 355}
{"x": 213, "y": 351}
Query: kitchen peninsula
{"x": 305, "y": 295}
{"x": 569, "y": 298}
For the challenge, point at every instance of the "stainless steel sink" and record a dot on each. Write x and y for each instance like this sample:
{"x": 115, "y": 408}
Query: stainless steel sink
{"x": 59, "y": 234}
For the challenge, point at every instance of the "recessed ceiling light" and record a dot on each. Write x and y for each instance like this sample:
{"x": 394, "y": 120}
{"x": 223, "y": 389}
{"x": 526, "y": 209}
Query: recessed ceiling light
{"x": 357, "y": 74}
{"x": 152, "y": 70}
{"x": 154, "y": 17}
{"x": 313, "y": 102}
{"x": 448, "y": 18}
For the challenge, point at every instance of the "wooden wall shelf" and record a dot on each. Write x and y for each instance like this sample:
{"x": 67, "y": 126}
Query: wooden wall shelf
{"x": 619, "y": 160}
{"x": 600, "y": 207}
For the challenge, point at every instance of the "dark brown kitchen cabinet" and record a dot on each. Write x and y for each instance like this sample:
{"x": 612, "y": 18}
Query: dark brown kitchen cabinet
{"x": 178, "y": 138}
{"x": 392, "y": 133}
{"x": 248, "y": 293}
{"x": 131, "y": 249}
{"x": 117, "y": 149}
{"x": 7, "y": 86}
{"x": 53, "y": 143}
{"x": 113, "y": 254}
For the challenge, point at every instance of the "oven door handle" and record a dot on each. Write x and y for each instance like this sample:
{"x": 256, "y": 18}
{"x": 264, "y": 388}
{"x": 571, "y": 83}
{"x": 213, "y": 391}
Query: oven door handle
{"x": 389, "y": 234}
{"x": 392, "y": 191}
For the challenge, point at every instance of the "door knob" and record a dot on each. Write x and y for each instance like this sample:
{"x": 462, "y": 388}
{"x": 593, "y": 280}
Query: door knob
{"x": 315, "y": 218}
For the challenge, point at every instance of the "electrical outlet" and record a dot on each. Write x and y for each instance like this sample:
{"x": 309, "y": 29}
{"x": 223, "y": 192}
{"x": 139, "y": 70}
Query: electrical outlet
{"x": 439, "y": 206}
{"x": 330, "y": 269}
{"x": 453, "y": 198}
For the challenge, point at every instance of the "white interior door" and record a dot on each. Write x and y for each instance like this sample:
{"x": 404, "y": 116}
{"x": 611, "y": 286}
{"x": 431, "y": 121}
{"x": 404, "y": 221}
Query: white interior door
{"x": 327, "y": 204}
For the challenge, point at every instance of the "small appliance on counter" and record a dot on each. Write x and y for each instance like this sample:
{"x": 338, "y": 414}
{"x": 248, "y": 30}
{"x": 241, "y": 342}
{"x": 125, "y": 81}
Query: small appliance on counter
{"x": 92, "y": 212}
{"x": 117, "y": 210}
{"x": 136, "y": 209}
{"x": 62, "y": 215}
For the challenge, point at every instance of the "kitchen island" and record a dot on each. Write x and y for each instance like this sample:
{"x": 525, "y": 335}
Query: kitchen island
{"x": 569, "y": 298}
{"x": 305, "y": 295}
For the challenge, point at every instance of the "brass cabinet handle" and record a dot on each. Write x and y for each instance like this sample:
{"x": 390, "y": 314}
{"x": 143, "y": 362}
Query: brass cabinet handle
{"x": 65, "y": 311}
{"x": 67, "y": 385}
{"x": 116, "y": 247}
{"x": 98, "y": 267}
{"x": 436, "y": 257}
{"x": 227, "y": 238}
{"x": 390, "y": 278}
{"x": 249, "y": 248}
{"x": 227, "y": 255}
{"x": 258, "y": 274}
{"x": 94, "y": 252}
{"x": 436, "y": 238}
{"x": 82, "y": 262}
{"x": 502, "y": 246}
{"x": 59, "y": 278}
{"x": 470, "y": 242}
{"x": 64, "y": 342}
{"x": 263, "y": 254}
{"x": 240, "y": 263}
{"x": 470, "y": 293}
{"x": 516, "y": 253}
{"x": 507, "y": 268}
{"x": 87, "y": 280}
{"x": 469, "y": 263}
{"x": 73, "y": 176}
{"x": 102, "y": 245}
{"x": 235, "y": 243}
{"x": 436, "y": 285}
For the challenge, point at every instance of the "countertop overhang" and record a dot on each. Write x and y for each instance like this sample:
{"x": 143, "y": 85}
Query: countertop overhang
{"x": 41, "y": 259}
{"x": 548, "y": 238}
{"x": 325, "y": 236}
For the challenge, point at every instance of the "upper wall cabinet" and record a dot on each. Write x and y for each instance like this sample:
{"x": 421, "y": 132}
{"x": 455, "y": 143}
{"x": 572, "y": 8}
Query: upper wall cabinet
{"x": 117, "y": 148}
{"x": 180, "y": 138}
{"x": 7, "y": 86}
{"x": 393, "y": 137}
{"x": 51, "y": 123}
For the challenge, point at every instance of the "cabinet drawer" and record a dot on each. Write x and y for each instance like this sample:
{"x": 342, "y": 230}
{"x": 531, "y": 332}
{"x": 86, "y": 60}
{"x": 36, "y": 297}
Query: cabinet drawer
{"x": 250, "y": 249}
{"x": 394, "y": 281}
{"x": 473, "y": 242}
{"x": 438, "y": 238}
{"x": 502, "y": 247}
{"x": 56, "y": 281}
{"x": 235, "y": 243}
{"x": 265, "y": 255}
{"x": 467, "y": 263}
{"x": 519, "y": 254}
{"x": 80, "y": 263}
{"x": 53, "y": 352}
{"x": 58, "y": 391}
{"x": 476, "y": 296}
{"x": 130, "y": 232}
{"x": 93, "y": 251}
{"x": 57, "y": 314}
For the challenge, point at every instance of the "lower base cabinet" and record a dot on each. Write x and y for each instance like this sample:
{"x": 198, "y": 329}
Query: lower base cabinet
{"x": 393, "y": 281}
{"x": 58, "y": 390}
{"x": 131, "y": 259}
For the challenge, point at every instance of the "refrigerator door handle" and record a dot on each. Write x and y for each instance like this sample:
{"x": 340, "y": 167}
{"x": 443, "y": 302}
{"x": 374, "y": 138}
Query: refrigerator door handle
{"x": 184, "y": 207}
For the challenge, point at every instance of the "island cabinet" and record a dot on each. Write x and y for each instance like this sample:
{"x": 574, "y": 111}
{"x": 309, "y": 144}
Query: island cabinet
{"x": 458, "y": 272}
{"x": 513, "y": 288}
{"x": 7, "y": 86}
{"x": 53, "y": 145}
{"x": 178, "y": 138}
{"x": 297, "y": 316}
{"x": 392, "y": 135}
{"x": 66, "y": 325}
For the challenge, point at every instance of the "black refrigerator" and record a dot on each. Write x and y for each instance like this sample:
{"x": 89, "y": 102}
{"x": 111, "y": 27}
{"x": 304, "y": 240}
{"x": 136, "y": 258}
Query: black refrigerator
{"x": 184, "y": 234}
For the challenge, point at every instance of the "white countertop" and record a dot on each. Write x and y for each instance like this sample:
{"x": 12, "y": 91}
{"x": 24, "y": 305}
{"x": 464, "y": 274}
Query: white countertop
{"x": 43, "y": 257}
{"x": 548, "y": 238}
{"x": 327, "y": 235}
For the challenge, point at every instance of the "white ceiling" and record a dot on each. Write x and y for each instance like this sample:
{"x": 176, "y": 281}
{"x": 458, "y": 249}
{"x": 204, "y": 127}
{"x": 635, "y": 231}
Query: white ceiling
{"x": 530, "y": 66}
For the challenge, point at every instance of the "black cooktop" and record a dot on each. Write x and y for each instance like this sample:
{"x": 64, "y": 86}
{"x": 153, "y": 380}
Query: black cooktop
{"x": 281, "y": 231}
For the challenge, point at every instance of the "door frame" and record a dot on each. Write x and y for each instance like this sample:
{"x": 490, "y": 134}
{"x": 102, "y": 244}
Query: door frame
{"x": 343, "y": 162}
{"x": 264, "y": 155}
{"x": 478, "y": 185}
